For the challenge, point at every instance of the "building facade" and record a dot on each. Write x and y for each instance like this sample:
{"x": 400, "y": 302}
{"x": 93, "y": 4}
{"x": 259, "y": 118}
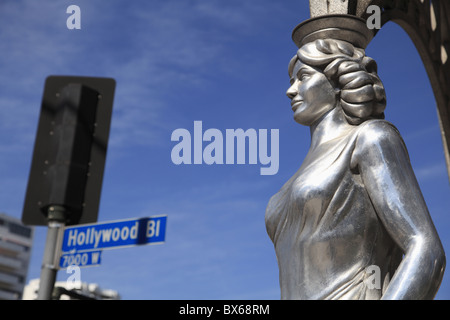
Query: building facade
{"x": 16, "y": 241}
{"x": 66, "y": 290}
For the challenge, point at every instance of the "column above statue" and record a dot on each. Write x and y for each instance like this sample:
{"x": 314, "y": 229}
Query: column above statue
{"x": 326, "y": 7}
{"x": 335, "y": 26}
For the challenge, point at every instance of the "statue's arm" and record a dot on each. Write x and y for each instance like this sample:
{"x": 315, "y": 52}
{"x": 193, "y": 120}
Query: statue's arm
{"x": 385, "y": 169}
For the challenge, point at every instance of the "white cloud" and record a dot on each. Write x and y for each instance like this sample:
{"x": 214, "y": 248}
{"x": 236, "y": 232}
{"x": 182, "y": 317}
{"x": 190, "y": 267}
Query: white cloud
{"x": 150, "y": 48}
{"x": 431, "y": 171}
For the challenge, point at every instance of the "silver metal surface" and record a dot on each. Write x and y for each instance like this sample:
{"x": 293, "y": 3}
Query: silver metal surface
{"x": 50, "y": 261}
{"x": 354, "y": 205}
{"x": 427, "y": 23}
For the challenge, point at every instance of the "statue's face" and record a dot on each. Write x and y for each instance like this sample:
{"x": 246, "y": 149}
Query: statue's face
{"x": 311, "y": 94}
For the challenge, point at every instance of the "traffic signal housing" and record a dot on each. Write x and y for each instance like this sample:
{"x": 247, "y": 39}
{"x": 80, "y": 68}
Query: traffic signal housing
{"x": 70, "y": 149}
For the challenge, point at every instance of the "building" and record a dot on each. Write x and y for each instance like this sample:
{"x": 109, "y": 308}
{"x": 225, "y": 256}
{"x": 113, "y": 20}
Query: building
{"x": 16, "y": 241}
{"x": 66, "y": 290}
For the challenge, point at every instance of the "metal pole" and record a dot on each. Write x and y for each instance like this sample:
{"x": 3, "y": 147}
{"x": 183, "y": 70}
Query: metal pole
{"x": 56, "y": 220}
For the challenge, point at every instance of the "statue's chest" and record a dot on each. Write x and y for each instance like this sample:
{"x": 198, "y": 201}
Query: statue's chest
{"x": 319, "y": 188}
{"x": 322, "y": 173}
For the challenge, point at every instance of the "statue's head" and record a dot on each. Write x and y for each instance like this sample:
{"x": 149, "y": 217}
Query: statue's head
{"x": 333, "y": 72}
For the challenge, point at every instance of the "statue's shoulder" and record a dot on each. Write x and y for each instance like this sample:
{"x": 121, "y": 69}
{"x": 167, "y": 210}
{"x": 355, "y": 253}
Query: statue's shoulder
{"x": 376, "y": 137}
{"x": 376, "y": 130}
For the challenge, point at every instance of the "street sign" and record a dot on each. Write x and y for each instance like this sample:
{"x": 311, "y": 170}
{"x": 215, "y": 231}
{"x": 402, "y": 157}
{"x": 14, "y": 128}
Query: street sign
{"x": 114, "y": 234}
{"x": 80, "y": 259}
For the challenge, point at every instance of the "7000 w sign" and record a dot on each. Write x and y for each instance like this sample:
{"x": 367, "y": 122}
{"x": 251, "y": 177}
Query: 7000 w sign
{"x": 81, "y": 259}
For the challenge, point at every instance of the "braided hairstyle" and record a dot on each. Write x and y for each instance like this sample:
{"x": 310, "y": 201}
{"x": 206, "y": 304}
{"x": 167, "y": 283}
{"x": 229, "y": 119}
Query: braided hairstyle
{"x": 354, "y": 75}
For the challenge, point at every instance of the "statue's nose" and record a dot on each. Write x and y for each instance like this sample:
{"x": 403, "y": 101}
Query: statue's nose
{"x": 292, "y": 91}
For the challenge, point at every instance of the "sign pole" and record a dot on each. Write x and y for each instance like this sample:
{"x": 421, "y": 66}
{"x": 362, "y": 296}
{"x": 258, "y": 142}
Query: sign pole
{"x": 50, "y": 263}
{"x": 69, "y": 154}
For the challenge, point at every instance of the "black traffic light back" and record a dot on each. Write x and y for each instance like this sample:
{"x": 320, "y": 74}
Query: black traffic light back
{"x": 70, "y": 149}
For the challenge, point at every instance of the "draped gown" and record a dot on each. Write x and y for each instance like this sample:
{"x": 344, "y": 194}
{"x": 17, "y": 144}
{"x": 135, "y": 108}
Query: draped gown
{"x": 328, "y": 239}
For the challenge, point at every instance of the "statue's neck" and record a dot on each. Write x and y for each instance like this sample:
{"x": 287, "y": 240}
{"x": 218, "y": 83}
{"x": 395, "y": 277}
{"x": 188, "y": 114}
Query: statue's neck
{"x": 331, "y": 126}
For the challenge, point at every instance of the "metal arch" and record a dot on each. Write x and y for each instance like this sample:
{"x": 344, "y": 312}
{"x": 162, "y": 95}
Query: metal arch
{"x": 428, "y": 25}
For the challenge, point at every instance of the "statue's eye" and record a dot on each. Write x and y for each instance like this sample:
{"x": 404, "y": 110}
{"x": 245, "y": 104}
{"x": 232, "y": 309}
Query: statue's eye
{"x": 303, "y": 74}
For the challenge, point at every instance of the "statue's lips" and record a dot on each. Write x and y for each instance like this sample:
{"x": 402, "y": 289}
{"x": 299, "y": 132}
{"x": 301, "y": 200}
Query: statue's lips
{"x": 295, "y": 104}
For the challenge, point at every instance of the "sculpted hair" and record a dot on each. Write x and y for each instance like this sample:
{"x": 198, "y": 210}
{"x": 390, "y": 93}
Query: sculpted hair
{"x": 361, "y": 92}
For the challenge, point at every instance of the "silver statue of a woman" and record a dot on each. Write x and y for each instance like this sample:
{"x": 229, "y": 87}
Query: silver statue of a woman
{"x": 355, "y": 202}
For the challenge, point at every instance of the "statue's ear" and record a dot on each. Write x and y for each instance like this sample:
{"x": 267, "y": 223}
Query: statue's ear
{"x": 370, "y": 65}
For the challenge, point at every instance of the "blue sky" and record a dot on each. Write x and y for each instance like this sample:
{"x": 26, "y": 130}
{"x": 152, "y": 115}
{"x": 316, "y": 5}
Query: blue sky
{"x": 175, "y": 62}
